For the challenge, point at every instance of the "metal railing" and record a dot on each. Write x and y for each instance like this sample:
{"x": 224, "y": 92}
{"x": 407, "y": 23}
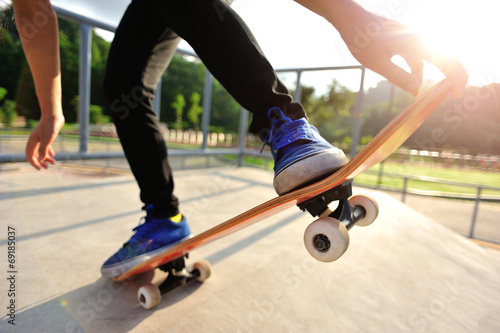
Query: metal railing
{"x": 105, "y": 150}
{"x": 477, "y": 198}
{"x": 86, "y": 26}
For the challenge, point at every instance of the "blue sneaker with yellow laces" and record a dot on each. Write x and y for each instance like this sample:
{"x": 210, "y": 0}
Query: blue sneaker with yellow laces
{"x": 152, "y": 237}
{"x": 301, "y": 155}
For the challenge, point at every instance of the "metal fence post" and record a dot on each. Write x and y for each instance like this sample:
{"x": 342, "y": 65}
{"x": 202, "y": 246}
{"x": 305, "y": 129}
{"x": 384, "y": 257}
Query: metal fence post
{"x": 474, "y": 214}
{"x": 84, "y": 84}
{"x": 157, "y": 99}
{"x": 207, "y": 105}
{"x": 357, "y": 115}
{"x": 380, "y": 174}
{"x": 243, "y": 135}
{"x": 108, "y": 149}
{"x": 61, "y": 143}
{"x": 298, "y": 88}
{"x": 403, "y": 194}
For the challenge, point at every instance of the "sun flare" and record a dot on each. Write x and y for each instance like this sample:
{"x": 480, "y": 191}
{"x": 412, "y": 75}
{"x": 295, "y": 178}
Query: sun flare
{"x": 464, "y": 29}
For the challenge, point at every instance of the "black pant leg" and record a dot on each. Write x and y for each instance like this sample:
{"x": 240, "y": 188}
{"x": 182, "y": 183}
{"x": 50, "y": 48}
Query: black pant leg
{"x": 141, "y": 51}
{"x": 144, "y": 45}
{"x": 229, "y": 50}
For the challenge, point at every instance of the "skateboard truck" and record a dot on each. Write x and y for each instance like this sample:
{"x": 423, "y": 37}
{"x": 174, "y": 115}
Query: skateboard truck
{"x": 345, "y": 212}
{"x": 149, "y": 295}
{"x": 327, "y": 238}
{"x": 177, "y": 275}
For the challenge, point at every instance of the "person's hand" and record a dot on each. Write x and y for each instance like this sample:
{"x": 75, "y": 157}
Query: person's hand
{"x": 39, "y": 151}
{"x": 374, "y": 41}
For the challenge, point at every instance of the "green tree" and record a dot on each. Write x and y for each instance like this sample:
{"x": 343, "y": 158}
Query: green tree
{"x": 178, "y": 105}
{"x": 27, "y": 102}
{"x": 15, "y": 71}
{"x": 225, "y": 113}
{"x": 469, "y": 124}
{"x": 7, "y": 110}
{"x": 12, "y": 58}
{"x": 379, "y": 109}
{"x": 3, "y": 92}
{"x": 330, "y": 113}
{"x": 96, "y": 115}
{"x": 195, "y": 110}
{"x": 183, "y": 76}
{"x": 8, "y": 113}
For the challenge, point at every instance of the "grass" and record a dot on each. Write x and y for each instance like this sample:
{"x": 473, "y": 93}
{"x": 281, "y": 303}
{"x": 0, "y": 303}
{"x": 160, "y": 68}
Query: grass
{"x": 392, "y": 178}
{"x": 475, "y": 178}
{"x": 258, "y": 162}
{"x": 20, "y": 131}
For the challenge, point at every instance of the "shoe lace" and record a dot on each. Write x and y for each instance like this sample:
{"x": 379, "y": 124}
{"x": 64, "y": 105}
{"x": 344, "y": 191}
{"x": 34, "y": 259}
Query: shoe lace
{"x": 145, "y": 227}
{"x": 146, "y": 223}
{"x": 280, "y": 135}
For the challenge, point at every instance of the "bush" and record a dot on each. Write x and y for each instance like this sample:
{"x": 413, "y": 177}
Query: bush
{"x": 97, "y": 115}
{"x": 8, "y": 113}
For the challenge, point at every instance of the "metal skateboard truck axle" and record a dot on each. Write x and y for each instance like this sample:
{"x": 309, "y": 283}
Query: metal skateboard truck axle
{"x": 345, "y": 212}
{"x": 327, "y": 238}
{"x": 177, "y": 275}
{"x": 149, "y": 295}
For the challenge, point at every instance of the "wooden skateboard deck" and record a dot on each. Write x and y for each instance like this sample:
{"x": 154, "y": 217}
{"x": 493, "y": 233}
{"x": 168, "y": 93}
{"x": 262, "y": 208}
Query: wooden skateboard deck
{"x": 378, "y": 149}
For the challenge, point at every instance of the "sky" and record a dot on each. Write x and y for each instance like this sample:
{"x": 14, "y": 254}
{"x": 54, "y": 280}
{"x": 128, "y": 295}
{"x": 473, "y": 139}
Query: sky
{"x": 467, "y": 29}
{"x": 292, "y": 36}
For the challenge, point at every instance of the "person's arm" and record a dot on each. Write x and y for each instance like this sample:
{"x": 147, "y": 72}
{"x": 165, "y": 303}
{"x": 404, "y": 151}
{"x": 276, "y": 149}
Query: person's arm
{"x": 37, "y": 25}
{"x": 374, "y": 41}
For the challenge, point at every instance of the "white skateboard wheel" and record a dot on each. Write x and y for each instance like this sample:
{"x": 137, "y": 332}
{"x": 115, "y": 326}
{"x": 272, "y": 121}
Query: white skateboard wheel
{"x": 204, "y": 269}
{"x": 369, "y": 205}
{"x": 149, "y": 296}
{"x": 326, "y": 239}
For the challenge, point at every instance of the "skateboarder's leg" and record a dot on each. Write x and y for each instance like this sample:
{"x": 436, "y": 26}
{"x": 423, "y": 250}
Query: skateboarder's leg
{"x": 144, "y": 45}
{"x": 140, "y": 53}
{"x": 231, "y": 53}
{"x": 229, "y": 50}
{"x": 142, "y": 49}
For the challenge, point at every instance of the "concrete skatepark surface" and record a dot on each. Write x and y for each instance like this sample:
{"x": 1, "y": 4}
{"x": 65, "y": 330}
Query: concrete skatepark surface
{"x": 404, "y": 273}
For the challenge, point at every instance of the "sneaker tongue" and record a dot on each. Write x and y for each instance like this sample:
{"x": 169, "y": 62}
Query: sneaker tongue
{"x": 282, "y": 151}
{"x": 289, "y": 133}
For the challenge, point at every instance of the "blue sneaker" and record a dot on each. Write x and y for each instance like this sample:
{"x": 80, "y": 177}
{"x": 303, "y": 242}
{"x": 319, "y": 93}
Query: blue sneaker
{"x": 151, "y": 238}
{"x": 301, "y": 155}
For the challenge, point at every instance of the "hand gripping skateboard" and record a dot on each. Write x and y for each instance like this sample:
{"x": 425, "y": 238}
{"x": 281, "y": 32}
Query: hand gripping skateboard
{"x": 327, "y": 238}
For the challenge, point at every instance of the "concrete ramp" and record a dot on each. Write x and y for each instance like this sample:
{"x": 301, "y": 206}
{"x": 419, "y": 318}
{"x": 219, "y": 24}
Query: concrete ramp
{"x": 404, "y": 273}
